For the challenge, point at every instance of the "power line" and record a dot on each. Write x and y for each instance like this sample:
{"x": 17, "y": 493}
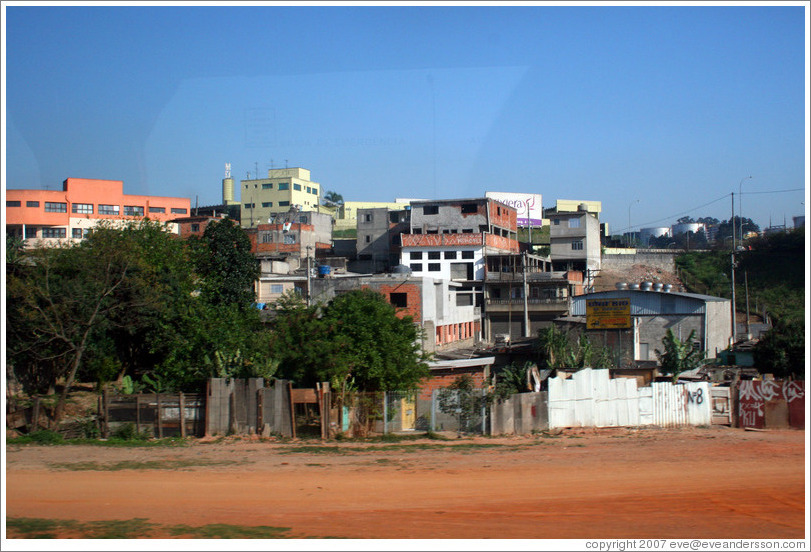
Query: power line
{"x": 775, "y": 191}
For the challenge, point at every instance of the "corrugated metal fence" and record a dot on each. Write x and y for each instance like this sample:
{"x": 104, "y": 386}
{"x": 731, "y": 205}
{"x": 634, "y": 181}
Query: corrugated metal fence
{"x": 591, "y": 399}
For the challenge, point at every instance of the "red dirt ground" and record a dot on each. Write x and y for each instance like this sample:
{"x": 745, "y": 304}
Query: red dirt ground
{"x": 622, "y": 483}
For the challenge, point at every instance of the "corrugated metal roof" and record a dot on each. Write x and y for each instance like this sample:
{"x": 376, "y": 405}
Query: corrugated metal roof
{"x": 649, "y": 302}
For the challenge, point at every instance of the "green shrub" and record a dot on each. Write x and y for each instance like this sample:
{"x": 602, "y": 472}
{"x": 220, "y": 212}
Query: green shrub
{"x": 128, "y": 432}
{"x": 46, "y": 437}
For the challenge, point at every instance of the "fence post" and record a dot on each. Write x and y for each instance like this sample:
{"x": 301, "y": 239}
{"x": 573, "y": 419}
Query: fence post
{"x": 138, "y": 413}
{"x": 484, "y": 411}
{"x": 182, "y": 399}
{"x": 106, "y": 402}
{"x": 385, "y": 414}
{"x": 35, "y": 416}
{"x": 160, "y": 416}
{"x": 292, "y": 409}
{"x": 433, "y": 410}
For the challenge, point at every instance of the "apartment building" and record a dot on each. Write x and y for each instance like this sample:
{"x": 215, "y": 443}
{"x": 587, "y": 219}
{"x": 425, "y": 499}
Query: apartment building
{"x": 574, "y": 239}
{"x": 292, "y": 234}
{"x": 57, "y": 216}
{"x": 262, "y": 198}
{"x": 346, "y": 214}
{"x": 379, "y": 241}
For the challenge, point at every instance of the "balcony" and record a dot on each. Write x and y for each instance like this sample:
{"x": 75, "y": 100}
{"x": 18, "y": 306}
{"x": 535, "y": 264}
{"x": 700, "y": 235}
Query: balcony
{"x": 558, "y": 275}
{"x": 533, "y": 305}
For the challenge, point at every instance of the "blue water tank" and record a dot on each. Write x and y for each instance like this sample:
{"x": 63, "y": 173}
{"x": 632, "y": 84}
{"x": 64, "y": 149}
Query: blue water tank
{"x": 324, "y": 270}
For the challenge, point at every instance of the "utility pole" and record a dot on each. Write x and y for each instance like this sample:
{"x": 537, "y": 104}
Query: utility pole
{"x": 732, "y": 260}
{"x": 527, "y": 332}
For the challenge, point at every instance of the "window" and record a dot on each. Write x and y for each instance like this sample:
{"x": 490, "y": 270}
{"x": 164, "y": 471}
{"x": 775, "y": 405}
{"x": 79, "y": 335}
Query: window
{"x": 247, "y": 206}
{"x": 76, "y": 233}
{"x": 83, "y": 208}
{"x": 368, "y": 239}
{"x": 577, "y": 245}
{"x": 416, "y": 267}
{"x": 468, "y": 208}
{"x": 268, "y": 186}
{"x": 467, "y": 230}
{"x": 195, "y": 227}
{"x": 277, "y": 288}
{"x": 179, "y": 211}
{"x": 367, "y": 217}
{"x": 55, "y": 207}
{"x": 289, "y": 239}
{"x": 157, "y": 209}
{"x": 133, "y": 210}
{"x": 303, "y": 219}
{"x": 416, "y": 255}
{"x": 450, "y": 254}
{"x": 14, "y": 204}
{"x": 309, "y": 190}
{"x": 498, "y": 211}
{"x": 297, "y": 187}
{"x": 464, "y": 299}
{"x": 315, "y": 191}
{"x": 32, "y": 203}
{"x": 30, "y": 232}
{"x": 54, "y": 233}
{"x": 430, "y": 210}
{"x": 434, "y": 267}
{"x": 556, "y": 222}
{"x": 434, "y": 255}
{"x": 574, "y": 223}
{"x": 418, "y": 230}
{"x": 108, "y": 209}
{"x": 467, "y": 254}
{"x": 266, "y": 237}
{"x": 399, "y": 300}
{"x": 284, "y": 204}
{"x": 267, "y": 204}
{"x": 284, "y": 185}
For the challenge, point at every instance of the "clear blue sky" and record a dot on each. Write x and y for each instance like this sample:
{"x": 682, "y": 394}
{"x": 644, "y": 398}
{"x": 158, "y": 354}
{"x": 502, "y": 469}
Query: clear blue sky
{"x": 672, "y": 106}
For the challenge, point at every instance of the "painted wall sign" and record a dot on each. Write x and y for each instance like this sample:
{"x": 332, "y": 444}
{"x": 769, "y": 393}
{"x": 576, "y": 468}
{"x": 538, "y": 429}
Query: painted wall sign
{"x": 529, "y": 206}
{"x": 608, "y": 314}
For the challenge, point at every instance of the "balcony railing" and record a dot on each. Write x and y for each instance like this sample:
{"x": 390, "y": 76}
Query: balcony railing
{"x": 533, "y": 304}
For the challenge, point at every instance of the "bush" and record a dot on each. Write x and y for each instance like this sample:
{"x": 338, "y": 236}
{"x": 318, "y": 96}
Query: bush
{"x": 128, "y": 432}
{"x": 46, "y": 437}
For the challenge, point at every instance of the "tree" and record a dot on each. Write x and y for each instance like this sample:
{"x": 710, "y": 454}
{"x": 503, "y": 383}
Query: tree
{"x": 333, "y": 198}
{"x": 678, "y": 356}
{"x": 357, "y": 338}
{"x": 462, "y": 399}
{"x": 59, "y": 303}
{"x": 685, "y": 220}
{"x": 781, "y": 350}
{"x": 557, "y": 349}
{"x": 225, "y": 264}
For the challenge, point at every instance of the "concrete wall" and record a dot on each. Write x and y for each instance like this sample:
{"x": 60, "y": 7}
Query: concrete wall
{"x": 521, "y": 414}
{"x": 662, "y": 261}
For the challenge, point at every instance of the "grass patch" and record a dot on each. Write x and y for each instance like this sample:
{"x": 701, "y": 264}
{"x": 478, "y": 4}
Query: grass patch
{"x": 135, "y": 465}
{"x": 53, "y": 438}
{"x": 37, "y": 528}
{"x": 331, "y": 449}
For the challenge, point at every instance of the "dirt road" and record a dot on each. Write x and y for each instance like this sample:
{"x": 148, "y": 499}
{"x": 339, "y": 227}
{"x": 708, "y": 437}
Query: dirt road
{"x": 681, "y": 483}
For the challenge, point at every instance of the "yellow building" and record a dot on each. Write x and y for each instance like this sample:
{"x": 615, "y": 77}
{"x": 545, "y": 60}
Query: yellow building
{"x": 281, "y": 190}
{"x": 347, "y": 215}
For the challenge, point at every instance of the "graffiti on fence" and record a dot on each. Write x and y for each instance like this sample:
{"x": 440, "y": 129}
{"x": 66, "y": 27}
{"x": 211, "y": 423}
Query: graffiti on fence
{"x": 754, "y": 396}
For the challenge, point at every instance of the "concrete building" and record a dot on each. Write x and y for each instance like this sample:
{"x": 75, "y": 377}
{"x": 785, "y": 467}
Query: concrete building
{"x": 293, "y": 234}
{"x": 524, "y": 295}
{"x": 379, "y": 242}
{"x": 282, "y": 189}
{"x": 66, "y": 215}
{"x": 574, "y": 240}
{"x": 650, "y": 314}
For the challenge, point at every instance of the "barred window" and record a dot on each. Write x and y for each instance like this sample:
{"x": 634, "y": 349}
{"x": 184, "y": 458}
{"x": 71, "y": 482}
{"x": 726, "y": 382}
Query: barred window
{"x": 30, "y": 232}
{"x": 179, "y": 211}
{"x": 109, "y": 209}
{"x": 54, "y": 232}
{"x": 267, "y": 186}
{"x": 32, "y": 203}
{"x": 77, "y": 233}
{"x": 83, "y": 208}
{"x": 133, "y": 210}
{"x": 267, "y": 204}
{"x": 52, "y": 207}
{"x": 577, "y": 245}
{"x": 157, "y": 209}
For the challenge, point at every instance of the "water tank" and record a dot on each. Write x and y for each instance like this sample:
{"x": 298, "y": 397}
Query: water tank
{"x": 645, "y": 234}
{"x": 667, "y": 288}
{"x": 324, "y": 271}
{"x": 645, "y": 286}
{"x": 633, "y": 286}
{"x": 622, "y": 286}
{"x": 227, "y": 190}
{"x": 658, "y": 286}
{"x": 401, "y": 269}
{"x": 687, "y": 227}
{"x": 584, "y": 207}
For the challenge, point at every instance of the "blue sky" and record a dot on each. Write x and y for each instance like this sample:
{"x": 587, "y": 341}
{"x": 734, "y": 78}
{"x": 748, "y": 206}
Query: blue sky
{"x": 671, "y": 106}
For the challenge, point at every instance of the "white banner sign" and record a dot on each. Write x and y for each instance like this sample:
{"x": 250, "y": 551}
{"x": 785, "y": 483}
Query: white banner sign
{"x": 529, "y": 206}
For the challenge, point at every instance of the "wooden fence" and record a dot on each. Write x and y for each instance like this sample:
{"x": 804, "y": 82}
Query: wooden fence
{"x": 156, "y": 414}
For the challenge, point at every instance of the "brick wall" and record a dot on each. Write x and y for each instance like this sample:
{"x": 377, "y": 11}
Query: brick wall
{"x": 442, "y": 378}
{"x": 413, "y": 297}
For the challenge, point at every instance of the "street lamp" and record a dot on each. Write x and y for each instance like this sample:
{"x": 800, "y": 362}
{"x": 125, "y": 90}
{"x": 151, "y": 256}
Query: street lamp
{"x": 629, "y": 221}
{"x": 740, "y": 206}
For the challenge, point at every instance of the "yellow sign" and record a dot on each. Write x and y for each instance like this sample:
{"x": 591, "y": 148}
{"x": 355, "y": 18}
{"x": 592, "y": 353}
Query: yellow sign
{"x": 608, "y": 314}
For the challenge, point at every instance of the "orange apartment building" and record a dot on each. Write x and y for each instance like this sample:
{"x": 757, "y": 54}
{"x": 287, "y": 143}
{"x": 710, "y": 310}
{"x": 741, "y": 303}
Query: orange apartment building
{"x": 54, "y": 216}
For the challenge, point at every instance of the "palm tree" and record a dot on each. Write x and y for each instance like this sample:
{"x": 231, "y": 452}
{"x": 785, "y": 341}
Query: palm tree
{"x": 333, "y": 198}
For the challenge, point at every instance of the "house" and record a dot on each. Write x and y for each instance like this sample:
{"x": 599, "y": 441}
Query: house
{"x": 66, "y": 215}
{"x": 450, "y": 239}
{"x": 574, "y": 240}
{"x": 632, "y": 322}
{"x": 379, "y": 242}
{"x": 292, "y": 234}
{"x": 523, "y": 294}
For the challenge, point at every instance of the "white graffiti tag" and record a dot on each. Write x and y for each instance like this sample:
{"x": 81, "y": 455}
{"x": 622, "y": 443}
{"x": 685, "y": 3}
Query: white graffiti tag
{"x": 793, "y": 391}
